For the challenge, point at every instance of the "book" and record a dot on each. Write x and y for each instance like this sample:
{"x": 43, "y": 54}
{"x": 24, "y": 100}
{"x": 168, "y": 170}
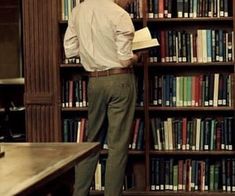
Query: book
{"x": 143, "y": 39}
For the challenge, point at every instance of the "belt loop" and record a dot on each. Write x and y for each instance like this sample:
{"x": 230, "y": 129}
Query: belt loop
{"x": 108, "y": 72}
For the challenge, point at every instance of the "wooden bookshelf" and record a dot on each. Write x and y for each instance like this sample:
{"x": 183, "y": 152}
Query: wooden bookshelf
{"x": 44, "y": 71}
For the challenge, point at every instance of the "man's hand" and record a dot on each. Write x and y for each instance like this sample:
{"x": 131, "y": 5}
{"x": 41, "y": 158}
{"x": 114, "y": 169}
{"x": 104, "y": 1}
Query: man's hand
{"x": 136, "y": 56}
{"x": 141, "y": 53}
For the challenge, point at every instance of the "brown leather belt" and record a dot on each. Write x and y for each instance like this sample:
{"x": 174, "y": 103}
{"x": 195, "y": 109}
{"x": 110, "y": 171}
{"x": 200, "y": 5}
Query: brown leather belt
{"x": 110, "y": 72}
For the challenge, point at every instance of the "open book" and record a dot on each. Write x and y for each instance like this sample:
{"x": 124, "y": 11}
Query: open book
{"x": 143, "y": 39}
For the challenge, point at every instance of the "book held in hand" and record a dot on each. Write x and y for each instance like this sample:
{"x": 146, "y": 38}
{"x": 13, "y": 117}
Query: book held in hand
{"x": 143, "y": 39}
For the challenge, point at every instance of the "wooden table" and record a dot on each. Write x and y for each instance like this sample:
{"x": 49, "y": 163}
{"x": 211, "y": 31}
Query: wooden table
{"x": 27, "y": 166}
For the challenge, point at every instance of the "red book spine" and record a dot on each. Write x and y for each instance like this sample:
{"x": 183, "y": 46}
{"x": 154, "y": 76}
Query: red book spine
{"x": 184, "y": 133}
{"x": 162, "y": 46}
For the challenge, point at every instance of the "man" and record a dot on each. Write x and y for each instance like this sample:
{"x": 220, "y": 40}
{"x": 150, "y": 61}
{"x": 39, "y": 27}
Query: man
{"x": 101, "y": 33}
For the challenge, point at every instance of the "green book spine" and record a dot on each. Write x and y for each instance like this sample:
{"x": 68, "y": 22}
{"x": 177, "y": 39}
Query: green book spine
{"x": 175, "y": 177}
{"x": 154, "y": 134}
{"x": 212, "y": 177}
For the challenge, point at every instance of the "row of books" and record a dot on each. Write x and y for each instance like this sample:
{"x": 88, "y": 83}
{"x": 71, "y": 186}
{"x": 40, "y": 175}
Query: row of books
{"x": 193, "y": 134}
{"x": 198, "y": 90}
{"x": 192, "y": 175}
{"x": 135, "y": 9}
{"x": 73, "y": 60}
{"x": 163, "y": 8}
{"x": 137, "y": 139}
{"x": 200, "y": 46}
{"x": 75, "y": 130}
{"x": 67, "y": 6}
{"x": 74, "y": 92}
{"x": 188, "y": 8}
{"x": 98, "y": 183}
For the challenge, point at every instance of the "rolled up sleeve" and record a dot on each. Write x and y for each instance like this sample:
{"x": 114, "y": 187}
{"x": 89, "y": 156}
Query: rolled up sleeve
{"x": 124, "y": 36}
{"x": 71, "y": 43}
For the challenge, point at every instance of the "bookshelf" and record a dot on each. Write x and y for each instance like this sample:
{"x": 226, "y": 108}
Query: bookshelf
{"x": 12, "y": 121}
{"x": 185, "y": 151}
{"x": 45, "y": 71}
{"x": 12, "y": 110}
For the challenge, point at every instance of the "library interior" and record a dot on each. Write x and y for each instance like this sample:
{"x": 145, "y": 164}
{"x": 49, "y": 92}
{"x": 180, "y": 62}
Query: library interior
{"x": 182, "y": 138}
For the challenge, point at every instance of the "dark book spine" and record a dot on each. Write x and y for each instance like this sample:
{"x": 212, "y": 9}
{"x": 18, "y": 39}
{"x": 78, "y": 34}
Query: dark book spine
{"x": 186, "y": 8}
{"x": 217, "y": 175}
{"x": 140, "y": 137}
{"x": 167, "y": 175}
{"x": 154, "y": 133}
{"x": 223, "y": 172}
{"x": 226, "y": 8}
{"x": 150, "y": 5}
{"x": 207, "y": 174}
{"x": 169, "y": 8}
{"x": 155, "y": 9}
{"x": 210, "y": 89}
{"x": 180, "y": 6}
{"x": 228, "y": 175}
{"x": 162, "y": 173}
{"x": 218, "y": 136}
{"x": 152, "y": 174}
{"x": 233, "y": 175}
{"x": 171, "y": 173}
{"x": 65, "y": 130}
{"x": 157, "y": 174}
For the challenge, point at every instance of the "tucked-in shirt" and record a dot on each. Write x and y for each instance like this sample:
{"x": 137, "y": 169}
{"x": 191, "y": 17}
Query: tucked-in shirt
{"x": 101, "y": 33}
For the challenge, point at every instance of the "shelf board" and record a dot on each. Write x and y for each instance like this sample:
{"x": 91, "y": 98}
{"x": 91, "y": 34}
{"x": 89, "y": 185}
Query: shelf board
{"x": 13, "y": 109}
{"x": 17, "y": 109}
{"x": 78, "y": 65}
{"x": 174, "y": 193}
{"x": 75, "y": 109}
{"x": 188, "y": 64}
{"x": 139, "y": 108}
{"x": 159, "y": 108}
{"x": 12, "y": 81}
{"x": 197, "y": 19}
{"x": 131, "y": 152}
{"x": 137, "y": 20}
{"x": 192, "y": 152}
{"x": 65, "y": 22}
{"x": 166, "y": 193}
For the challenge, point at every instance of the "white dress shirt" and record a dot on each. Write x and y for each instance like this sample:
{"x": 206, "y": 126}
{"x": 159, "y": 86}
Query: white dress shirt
{"x": 101, "y": 33}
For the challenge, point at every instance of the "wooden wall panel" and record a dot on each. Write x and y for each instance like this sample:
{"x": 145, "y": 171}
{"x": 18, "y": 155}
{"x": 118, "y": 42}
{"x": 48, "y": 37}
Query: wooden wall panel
{"x": 41, "y": 37}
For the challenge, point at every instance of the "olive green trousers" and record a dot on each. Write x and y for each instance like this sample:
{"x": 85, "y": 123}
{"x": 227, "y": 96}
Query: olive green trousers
{"x": 111, "y": 99}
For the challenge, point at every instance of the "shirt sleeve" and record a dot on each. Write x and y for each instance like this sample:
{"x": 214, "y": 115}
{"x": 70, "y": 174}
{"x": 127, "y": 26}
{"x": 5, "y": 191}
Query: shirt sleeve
{"x": 124, "y": 36}
{"x": 71, "y": 43}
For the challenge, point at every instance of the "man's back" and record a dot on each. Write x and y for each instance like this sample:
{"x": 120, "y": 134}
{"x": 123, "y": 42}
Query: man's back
{"x": 98, "y": 23}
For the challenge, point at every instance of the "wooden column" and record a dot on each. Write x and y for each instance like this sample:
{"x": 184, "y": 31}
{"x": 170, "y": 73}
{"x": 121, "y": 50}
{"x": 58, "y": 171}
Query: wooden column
{"x": 41, "y": 69}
